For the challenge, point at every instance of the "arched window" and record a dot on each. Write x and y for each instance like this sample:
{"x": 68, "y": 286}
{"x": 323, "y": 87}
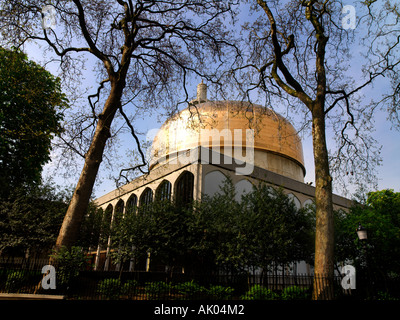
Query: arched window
{"x": 213, "y": 181}
{"x": 108, "y": 214}
{"x": 184, "y": 188}
{"x": 131, "y": 204}
{"x": 119, "y": 212}
{"x": 242, "y": 187}
{"x": 146, "y": 198}
{"x": 163, "y": 191}
{"x": 308, "y": 202}
{"x": 295, "y": 200}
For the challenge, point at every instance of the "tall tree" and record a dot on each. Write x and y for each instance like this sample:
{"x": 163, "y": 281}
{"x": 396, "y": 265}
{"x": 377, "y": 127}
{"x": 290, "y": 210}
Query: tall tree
{"x": 297, "y": 53}
{"x": 31, "y": 105}
{"x": 145, "y": 52}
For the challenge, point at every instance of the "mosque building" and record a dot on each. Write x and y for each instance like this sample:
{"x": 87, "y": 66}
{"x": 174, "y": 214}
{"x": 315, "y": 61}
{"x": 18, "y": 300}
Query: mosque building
{"x": 197, "y": 149}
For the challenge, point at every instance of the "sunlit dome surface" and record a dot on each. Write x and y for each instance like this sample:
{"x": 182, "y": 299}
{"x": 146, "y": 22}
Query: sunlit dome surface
{"x": 277, "y": 146}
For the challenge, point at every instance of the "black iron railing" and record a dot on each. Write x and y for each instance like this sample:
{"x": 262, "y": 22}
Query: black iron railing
{"x": 27, "y": 278}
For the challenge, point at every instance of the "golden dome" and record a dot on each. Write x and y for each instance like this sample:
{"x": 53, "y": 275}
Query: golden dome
{"x": 273, "y": 135}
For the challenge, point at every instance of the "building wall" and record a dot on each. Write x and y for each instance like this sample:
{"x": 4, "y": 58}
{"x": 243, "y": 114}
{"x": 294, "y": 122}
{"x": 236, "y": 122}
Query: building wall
{"x": 209, "y": 177}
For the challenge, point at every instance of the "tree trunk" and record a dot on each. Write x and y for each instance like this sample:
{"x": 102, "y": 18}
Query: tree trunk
{"x": 324, "y": 237}
{"x": 69, "y": 231}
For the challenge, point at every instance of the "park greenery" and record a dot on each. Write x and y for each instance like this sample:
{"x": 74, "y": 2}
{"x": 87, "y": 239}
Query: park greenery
{"x": 116, "y": 288}
{"x": 29, "y": 221}
{"x": 380, "y": 215}
{"x": 31, "y": 112}
{"x": 264, "y": 230}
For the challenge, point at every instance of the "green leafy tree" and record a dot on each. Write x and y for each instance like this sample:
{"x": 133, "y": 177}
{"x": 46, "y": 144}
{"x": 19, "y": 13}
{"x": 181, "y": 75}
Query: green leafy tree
{"x": 170, "y": 237}
{"x": 69, "y": 262}
{"x": 280, "y": 233}
{"x": 31, "y": 103}
{"x": 159, "y": 228}
{"x": 380, "y": 216}
{"x": 29, "y": 221}
{"x": 264, "y": 228}
{"x": 131, "y": 234}
{"x": 128, "y": 235}
{"x": 216, "y": 233}
{"x": 216, "y": 240}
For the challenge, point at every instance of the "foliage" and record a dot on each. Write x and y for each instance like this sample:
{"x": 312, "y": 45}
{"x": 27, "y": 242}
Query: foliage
{"x": 15, "y": 280}
{"x": 157, "y": 290}
{"x": 130, "y": 286}
{"x": 30, "y": 103}
{"x": 257, "y": 292}
{"x": 20, "y": 280}
{"x": 218, "y": 292}
{"x": 264, "y": 227}
{"x": 380, "y": 216}
{"x": 190, "y": 289}
{"x": 385, "y": 296}
{"x": 69, "y": 262}
{"x": 219, "y": 232}
{"x": 91, "y": 227}
{"x": 214, "y": 229}
{"x": 132, "y": 235}
{"x": 170, "y": 232}
{"x": 30, "y": 219}
{"x": 109, "y": 288}
{"x": 114, "y": 288}
{"x": 279, "y": 232}
{"x": 295, "y": 293}
{"x": 159, "y": 228}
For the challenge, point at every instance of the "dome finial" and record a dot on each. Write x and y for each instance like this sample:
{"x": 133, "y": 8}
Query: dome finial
{"x": 201, "y": 92}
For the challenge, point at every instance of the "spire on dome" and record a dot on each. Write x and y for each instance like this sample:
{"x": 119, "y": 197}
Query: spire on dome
{"x": 201, "y": 93}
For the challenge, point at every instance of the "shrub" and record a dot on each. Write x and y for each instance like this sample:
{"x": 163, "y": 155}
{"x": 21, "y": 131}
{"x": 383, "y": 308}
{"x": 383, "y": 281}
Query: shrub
{"x": 189, "y": 289}
{"x": 69, "y": 262}
{"x": 295, "y": 293}
{"x": 385, "y": 296}
{"x": 258, "y": 292}
{"x": 156, "y": 290}
{"x": 15, "y": 280}
{"x": 220, "y": 292}
{"x": 113, "y": 288}
{"x": 129, "y": 287}
{"x": 110, "y": 288}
